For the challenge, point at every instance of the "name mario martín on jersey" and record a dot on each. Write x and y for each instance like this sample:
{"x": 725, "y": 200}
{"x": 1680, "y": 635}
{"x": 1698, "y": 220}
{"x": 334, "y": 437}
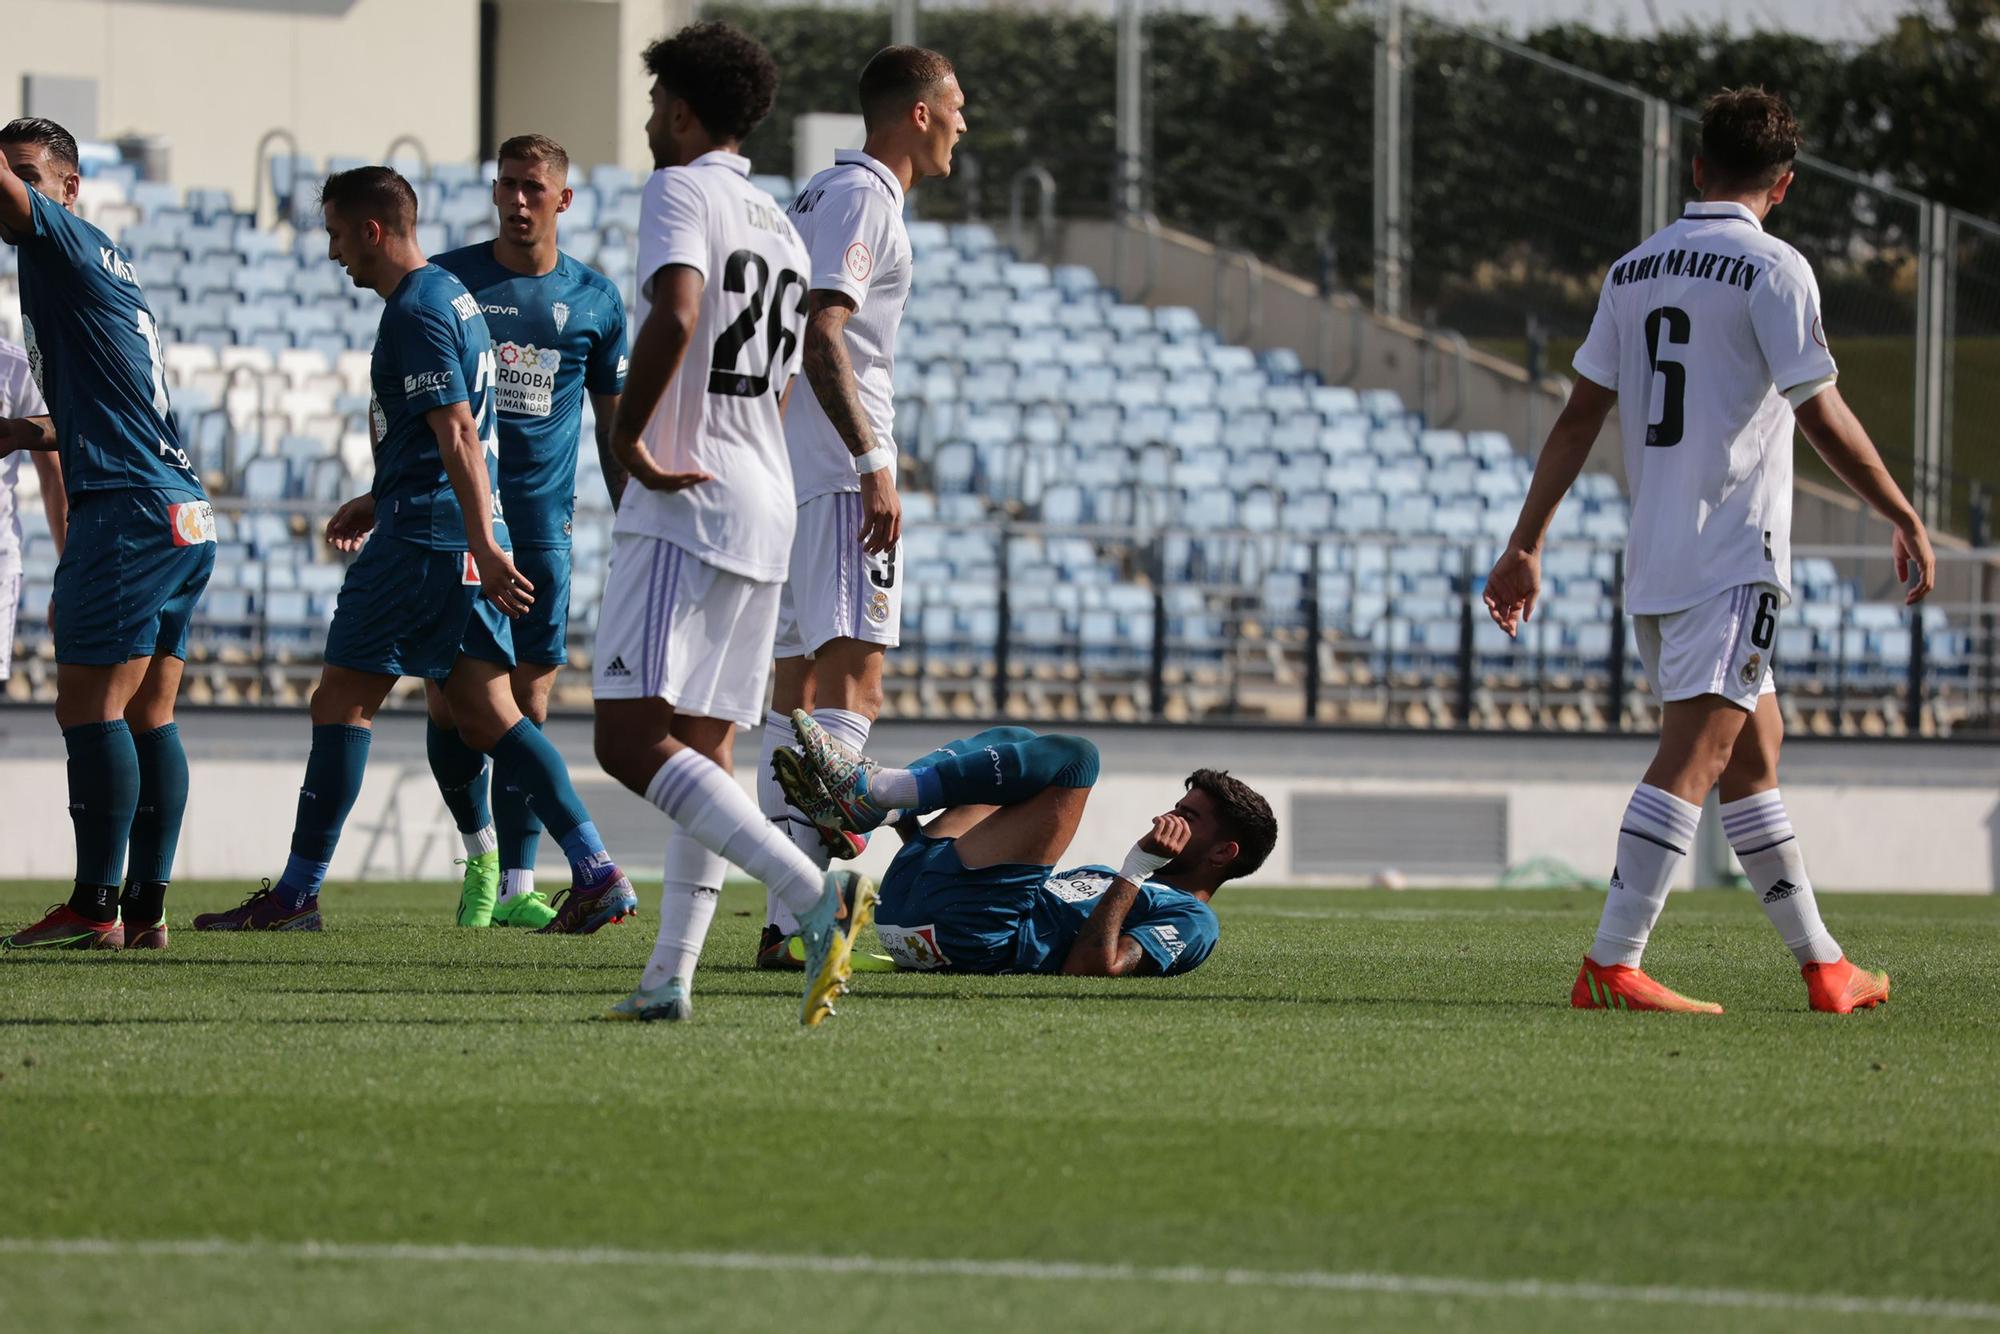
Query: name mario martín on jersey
{"x": 116, "y": 266}
{"x": 1731, "y": 269}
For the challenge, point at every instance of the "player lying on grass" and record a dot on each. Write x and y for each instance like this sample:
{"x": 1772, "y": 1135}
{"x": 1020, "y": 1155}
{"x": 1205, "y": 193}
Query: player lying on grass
{"x": 1707, "y": 339}
{"x": 976, "y": 890}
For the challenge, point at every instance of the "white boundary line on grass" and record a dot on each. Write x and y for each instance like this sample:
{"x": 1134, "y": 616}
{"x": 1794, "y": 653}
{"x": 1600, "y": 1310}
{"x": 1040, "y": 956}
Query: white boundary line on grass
{"x": 1039, "y": 1271}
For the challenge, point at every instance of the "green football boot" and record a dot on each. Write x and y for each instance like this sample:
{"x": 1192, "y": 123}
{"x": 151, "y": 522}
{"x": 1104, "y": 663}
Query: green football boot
{"x": 482, "y": 883}
{"x": 531, "y": 910}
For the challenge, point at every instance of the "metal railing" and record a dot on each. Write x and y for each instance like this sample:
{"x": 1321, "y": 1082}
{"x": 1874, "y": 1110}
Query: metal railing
{"x": 1168, "y": 622}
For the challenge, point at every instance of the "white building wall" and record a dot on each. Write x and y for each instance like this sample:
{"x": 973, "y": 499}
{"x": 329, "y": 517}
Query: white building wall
{"x": 344, "y": 76}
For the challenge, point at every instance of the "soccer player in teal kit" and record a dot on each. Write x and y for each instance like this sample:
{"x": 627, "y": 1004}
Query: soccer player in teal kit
{"x": 140, "y": 547}
{"x": 976, "y": 890}
{"x": 433, "y": 589}
{"x": 558, "y": 332}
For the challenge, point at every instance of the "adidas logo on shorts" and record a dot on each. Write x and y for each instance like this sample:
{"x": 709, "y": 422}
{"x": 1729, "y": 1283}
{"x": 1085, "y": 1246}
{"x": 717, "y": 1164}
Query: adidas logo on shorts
{"x": 617, "y": 668}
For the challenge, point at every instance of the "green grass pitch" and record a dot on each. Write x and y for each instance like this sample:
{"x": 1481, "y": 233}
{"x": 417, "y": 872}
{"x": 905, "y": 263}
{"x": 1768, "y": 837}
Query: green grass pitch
{"x": 1377, "y": 1106}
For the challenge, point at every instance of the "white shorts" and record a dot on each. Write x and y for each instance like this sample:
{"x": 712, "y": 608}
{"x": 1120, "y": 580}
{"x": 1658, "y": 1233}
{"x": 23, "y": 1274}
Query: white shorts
{"x": 1718, "y": 647}
{"x": 675, "y": 628}
{"x": 837, "y": 590}
{"x": 10, "y": 603}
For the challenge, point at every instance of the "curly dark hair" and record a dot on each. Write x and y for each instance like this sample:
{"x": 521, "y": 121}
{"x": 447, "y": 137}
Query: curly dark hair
{"x": 1243, "y": 814}
{"x": 722, "y": 72}
{"x": 60, "y": 143}
{"x": 1749, "y": 138}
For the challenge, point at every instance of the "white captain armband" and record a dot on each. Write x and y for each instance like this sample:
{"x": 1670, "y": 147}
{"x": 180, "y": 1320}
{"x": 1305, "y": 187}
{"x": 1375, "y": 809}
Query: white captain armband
{"x": 874, "y": 460}
{"x": 1801, "y": 394}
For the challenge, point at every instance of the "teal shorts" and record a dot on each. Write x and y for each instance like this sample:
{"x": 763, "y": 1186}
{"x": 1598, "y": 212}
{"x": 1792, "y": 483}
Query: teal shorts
{"x": 410, "y": 610}
{"x": 132, "y": 570}
{"x": 934, "y": 913}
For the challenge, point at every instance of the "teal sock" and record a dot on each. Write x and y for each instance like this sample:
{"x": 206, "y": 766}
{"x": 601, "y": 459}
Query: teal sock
{"x": 1002, "y": 773}
{"x": 513, "y": 818}
{"x": 544, "y": 778}
{"x": 978, "y": 741}
{"x": 163, "y": 795}
{"x": 103, "y": 795}
{"x": 461, "y": 777}
{"x": 332, "y": 785}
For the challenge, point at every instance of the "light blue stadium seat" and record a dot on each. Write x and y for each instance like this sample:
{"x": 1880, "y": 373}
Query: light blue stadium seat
{"x": 610, "y": 177}
{"x": 1282, "y": 399}
{"x": 778, "y": 187}
{"x": 1281, "y": 363}
{"x": 1177, "y": 322}
{"x": 267, "y": 477}
{"x": 207, "y": 204}
{"x": 150, "y": 197}
{"x": 974, "y": 238}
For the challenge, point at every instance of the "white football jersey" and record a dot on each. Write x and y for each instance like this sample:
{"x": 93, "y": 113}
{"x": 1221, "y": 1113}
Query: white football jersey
{"x": 851, "y": 217}
{"x": 18, "y": 398}
{"x": 720, "y": 413}
{"x": 1700, "y": 330}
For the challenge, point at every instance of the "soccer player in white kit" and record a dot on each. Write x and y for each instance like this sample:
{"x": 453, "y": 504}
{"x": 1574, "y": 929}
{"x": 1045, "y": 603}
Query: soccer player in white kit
{"x": 1708, "y": 340}
{"x": 704, "y": 533}
{"x": 843, "y": 604}
{"x": 24, "y": 418}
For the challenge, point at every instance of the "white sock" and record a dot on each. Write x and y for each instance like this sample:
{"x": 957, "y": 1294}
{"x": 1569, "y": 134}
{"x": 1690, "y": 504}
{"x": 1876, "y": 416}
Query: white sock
{"x": 480, "y": 841}
{"x": 771, "y": 800}
{"x": 515, "y": 883}
{"x": 688, "y": 894}
{"x": 847, "y": 727}
{"x": 1656, "y": 833}
{"x": 890, "y": 788}
{"x": 701, "y": 797}
{"x": 1761, "y": 833}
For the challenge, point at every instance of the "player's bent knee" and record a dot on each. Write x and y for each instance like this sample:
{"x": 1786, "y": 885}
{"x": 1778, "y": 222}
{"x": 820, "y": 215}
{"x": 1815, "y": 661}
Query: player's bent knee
{"x": 1079, "y": 761}
{"x": 619, "y": 752}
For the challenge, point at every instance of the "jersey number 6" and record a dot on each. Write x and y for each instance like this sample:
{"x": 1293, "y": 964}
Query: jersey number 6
{"x": 1666, "y": 433}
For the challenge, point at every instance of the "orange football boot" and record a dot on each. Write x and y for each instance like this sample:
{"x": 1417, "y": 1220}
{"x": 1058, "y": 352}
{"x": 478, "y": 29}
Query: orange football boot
{"x": 1620, "y": 988}
{"x": 1841, "y": 988}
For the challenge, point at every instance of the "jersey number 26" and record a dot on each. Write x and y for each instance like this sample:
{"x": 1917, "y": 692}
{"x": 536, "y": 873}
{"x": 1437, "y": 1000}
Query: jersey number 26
{"x": 781, "y": 337}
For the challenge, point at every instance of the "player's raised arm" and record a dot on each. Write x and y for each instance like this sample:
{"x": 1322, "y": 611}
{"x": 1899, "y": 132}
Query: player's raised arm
{"x": 1837, "y": 434}
{"x": 1516, "y": 579}
{"x": 1103, "y": 949}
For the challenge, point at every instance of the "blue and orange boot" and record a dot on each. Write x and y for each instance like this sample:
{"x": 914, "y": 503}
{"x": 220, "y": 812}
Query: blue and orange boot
{"x": 582, "y": 909}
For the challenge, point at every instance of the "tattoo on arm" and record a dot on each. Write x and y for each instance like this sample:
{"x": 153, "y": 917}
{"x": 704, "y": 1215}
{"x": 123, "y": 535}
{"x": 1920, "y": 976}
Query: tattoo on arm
{"x": 830, "y": 371}
{"x": 1102, "y": 949}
